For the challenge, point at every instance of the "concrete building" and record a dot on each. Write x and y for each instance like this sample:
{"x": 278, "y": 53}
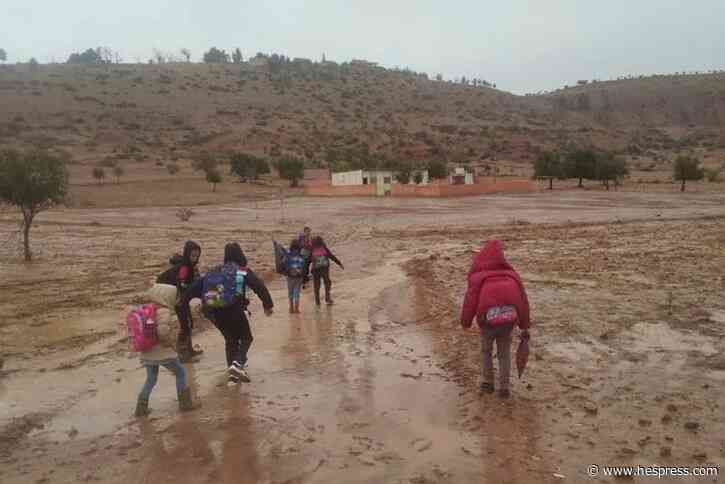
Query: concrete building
{"x": 460, "y": 177}
{"x": 382, "y": 179}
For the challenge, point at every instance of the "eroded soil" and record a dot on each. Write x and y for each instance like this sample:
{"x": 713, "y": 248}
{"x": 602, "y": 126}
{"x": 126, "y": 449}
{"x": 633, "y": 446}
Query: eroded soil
{"x": 626, "y": 365}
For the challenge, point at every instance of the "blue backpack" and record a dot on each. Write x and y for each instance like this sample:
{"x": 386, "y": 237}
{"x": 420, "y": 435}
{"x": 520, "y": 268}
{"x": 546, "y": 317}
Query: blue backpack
{"x": 223, "y": 286}
{"x": 295, "y": 265}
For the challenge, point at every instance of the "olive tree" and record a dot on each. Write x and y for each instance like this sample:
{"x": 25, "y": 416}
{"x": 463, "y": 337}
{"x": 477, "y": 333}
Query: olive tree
{"x": 32, "y": 181}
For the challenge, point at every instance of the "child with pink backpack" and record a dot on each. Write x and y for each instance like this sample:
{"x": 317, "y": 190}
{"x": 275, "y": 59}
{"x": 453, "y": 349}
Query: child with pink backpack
{"x": 320, "y": 265}
{"x": 150, "y": 330}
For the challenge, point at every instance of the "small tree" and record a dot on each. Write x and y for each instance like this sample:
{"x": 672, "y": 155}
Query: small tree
{"x": 581, "y": 164}
{"x": 33, "y": 63}
{"x": 213, "y": 176}
{"x": 216, "y": 56}
{"x": 291, "y": 169}
{"x": 33, "y": 182}
{"x": 611, "y": 168}
{"x": 204, "y": 162}
{"x": 99, "y": 174}
{"x": 118, "y": 173}
{"x": 247, "y": 166}
{"x": 237, "y": 56}
{"x": 548, "y": 165}
{"x": 687, "y": 168}
{"x": 186, "y": 53}
{"x": 3, "y": 55}
{"x": 437, "y": 169}
{"x": 172, "y": 168}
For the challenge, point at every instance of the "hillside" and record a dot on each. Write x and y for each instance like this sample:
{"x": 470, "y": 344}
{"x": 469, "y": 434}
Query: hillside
{"x": 330, "y": 112}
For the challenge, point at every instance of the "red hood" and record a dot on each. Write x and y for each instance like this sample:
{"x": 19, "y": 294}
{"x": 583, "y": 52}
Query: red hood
{"x": 490, "y": 258}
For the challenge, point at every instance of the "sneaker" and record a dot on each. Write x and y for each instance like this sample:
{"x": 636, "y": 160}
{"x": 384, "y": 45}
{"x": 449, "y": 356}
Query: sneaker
{"x": 487, "y": 387}
{"x": 238, "y": 373}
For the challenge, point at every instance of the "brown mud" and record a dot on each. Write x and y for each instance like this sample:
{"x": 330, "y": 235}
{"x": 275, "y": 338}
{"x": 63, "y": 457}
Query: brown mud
{"x": 626, "y": 364}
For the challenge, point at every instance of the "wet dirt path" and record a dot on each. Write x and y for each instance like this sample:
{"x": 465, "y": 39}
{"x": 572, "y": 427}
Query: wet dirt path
{"x": 382, "y": 387}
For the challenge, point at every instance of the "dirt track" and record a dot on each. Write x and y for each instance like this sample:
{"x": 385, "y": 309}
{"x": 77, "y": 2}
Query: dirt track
{"x": 382, "y": 387}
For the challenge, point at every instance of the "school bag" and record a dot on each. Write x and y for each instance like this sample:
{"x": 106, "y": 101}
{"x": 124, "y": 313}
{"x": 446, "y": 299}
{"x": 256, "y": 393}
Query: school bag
{"x": 142, "y": 327}
{"x": 500, "y": 319}
{"x": 223, "y": 286}
{"x": 295, "y": 265}
{"x": 320, "y": 260}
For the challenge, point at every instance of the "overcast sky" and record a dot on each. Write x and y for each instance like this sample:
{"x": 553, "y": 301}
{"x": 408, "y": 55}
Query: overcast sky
{"x": 523, "y": 46}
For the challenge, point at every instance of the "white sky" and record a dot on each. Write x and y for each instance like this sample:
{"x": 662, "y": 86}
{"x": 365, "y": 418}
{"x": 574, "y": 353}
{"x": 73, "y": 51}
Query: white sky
{"x": 523, "y": 46}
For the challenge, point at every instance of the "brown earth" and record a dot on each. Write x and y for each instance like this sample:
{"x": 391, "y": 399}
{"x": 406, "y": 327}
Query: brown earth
{"x": 156, "y": 114}
{"x": 626, "y": 366}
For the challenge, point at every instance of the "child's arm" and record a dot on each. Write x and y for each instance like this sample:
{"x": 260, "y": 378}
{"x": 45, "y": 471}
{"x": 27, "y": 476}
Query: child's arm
{"x": 260, "y": 289}
{"x": 470, "y": 304}
{"x": 333, "y": 258}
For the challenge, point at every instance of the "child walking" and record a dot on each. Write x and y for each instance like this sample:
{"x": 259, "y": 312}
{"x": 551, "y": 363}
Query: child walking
{"x": 295, "y": 266}
{"x": 321, "y": 257}
{"x": 161, "y": 299}
{"x": 497, "y": 299}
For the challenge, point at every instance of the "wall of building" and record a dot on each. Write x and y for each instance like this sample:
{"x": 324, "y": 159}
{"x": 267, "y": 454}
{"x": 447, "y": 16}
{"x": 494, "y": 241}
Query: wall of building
{"x": 347, "y": 178}
{"x": 340, "y": 191}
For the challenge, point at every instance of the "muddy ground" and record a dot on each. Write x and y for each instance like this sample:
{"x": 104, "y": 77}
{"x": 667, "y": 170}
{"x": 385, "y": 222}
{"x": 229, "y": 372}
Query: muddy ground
{"x": 626, "y": 368}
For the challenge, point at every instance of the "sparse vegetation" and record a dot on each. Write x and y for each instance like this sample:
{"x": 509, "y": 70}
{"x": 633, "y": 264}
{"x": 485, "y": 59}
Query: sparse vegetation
{"x": 172, "y": 168}
{"x": 247, "y": 166}
{"x": 291, "y": 169}
{"x": 213, "y": 176}
{"x": 713, "y": 174}
{"x": 99, "y": 174}
{"x": 216, "y": 56}
{"x": 549, "y": 165}
{"x": 686, "y": 168}
{"x": 184, "y": 214}
{"x": 118, "y": 173}
{"x": 3, "y": 55}
{"x": 32, "y": 181}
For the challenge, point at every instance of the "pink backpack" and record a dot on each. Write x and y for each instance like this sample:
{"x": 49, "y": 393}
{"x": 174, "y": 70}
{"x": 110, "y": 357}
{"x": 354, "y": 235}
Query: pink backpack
{"x": 141, "y": 322}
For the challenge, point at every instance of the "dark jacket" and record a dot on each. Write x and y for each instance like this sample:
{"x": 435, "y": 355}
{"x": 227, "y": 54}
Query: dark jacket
{"x": 236, "y": 311}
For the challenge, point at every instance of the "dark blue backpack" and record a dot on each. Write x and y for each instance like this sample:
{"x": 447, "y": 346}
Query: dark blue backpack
{"x": 295, "y": 265}
{"x": 223, "y": 286}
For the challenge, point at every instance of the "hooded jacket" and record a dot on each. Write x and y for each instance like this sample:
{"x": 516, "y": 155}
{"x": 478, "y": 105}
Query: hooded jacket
{"x": 493, "y": 282}
{"x": 164, "y": 296}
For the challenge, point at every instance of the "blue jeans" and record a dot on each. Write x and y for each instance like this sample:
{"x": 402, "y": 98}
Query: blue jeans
{"x": 152, "y": 374}
{"x": 294, "y": 288}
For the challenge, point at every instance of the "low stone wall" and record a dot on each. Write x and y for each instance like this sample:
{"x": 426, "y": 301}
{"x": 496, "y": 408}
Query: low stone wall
{"x": 340, "y": 191}
{"x": 433, "y": 190}
{"x": 445, "y": 190}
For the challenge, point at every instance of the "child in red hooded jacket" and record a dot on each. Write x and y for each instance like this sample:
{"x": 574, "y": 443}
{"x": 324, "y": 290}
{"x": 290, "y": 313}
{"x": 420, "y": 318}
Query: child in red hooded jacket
{"x": 497, "y": 299}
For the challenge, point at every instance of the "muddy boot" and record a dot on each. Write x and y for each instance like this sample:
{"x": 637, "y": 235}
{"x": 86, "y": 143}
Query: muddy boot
{"x": 486, "y": 387}
{"x": 142, "y": 408}
{"x": 297, "y": 307}
{"x": 504, "y": 394}
{"x": 291, "y": 307}
{"x": 185, "y": 402}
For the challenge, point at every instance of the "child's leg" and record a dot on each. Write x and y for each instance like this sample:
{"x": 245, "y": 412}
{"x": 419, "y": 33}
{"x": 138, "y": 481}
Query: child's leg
{"x": 316, "y": 277}
{"x": 297, "y": 292}
{"x": 487, "y": 354}
{"x": 179, "y": 371}
{"x": 328, "y": 284}
{"x": 152, "y": 374}
{"x": 291, "y": 282}
{"x": 503, "y": 348}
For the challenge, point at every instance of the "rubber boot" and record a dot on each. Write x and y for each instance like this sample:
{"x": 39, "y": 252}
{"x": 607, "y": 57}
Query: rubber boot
{"x": 185, "y": 401}
{"x": 142, "y": 408}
